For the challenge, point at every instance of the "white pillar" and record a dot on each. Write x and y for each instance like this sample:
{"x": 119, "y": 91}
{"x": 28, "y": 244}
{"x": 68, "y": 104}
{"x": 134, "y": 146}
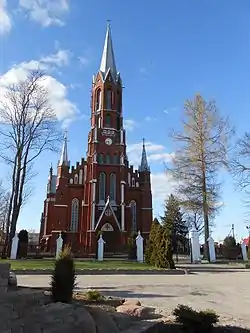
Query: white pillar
{"x": 95, "y": 134}
{"x": 244, "y": 251}
{"x": 139, "y": 247}
{"x": 122, "y": 206}
{"x": 85, "y": 174}
{"x": 211, "y": 249}
{"x": 101, "y": 243}
{"x": 122, "y": 159}
{"x": 93, "y": 204}
{"x": 80, "y": 176}
{"x": 14, "y": 246}
{"x": 121, "y": 136}
{"x": 195, "y": 245}
{"x": 59, "y": 245}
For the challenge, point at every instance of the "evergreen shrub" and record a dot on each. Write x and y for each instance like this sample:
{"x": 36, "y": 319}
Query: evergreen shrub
{"x": 63, "y": 280}
{"x": 195, "y": 321}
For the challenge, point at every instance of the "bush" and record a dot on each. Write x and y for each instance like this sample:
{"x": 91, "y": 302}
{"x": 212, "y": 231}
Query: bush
{"x": 150, "y": 250}
{"x": 195, "y": 321}
{"x": 63, "y": 279}
{"x": 93, "y": 295}
{"x": 230, "y": 250}
{"x": 22, "y": 249}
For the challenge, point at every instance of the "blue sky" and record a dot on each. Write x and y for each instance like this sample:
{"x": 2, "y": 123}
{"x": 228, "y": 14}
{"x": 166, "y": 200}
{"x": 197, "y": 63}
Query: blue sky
{"x": 166, "y": 52}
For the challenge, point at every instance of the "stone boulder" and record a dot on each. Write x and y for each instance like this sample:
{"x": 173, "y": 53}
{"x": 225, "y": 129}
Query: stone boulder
{"x": 138, "y": 311}
{"x": 132, "y": 301}
{"x": 103, "y": 321}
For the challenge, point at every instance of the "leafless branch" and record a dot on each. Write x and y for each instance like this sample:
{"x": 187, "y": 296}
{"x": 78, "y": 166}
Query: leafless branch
{"x": 28, "y": 127}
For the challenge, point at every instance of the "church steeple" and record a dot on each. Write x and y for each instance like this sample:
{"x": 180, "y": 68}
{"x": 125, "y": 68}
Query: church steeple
{"x": 64, "y": 155}
{"x": 108, "y": 58}
{"x": 144, "y": 162}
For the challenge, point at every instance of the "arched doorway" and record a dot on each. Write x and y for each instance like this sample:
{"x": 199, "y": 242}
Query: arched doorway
{"x": 111, "y": 237}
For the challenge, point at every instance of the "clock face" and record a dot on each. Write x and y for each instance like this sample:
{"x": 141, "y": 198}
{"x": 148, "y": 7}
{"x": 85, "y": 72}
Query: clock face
{"x": 108, "y": 141}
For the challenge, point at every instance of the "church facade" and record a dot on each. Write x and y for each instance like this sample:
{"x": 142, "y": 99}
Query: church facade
{"x": 102, "y": 193}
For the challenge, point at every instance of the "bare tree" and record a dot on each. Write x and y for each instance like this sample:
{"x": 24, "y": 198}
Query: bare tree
{"x": 240, "y": 165}
{"x": 4, "y": 201}
{"x": 202, "y": 150}
{"x": 28, "y": 127}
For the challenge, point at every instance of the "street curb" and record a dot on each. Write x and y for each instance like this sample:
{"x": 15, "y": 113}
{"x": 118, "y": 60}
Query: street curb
{"x": 104, "y": 272}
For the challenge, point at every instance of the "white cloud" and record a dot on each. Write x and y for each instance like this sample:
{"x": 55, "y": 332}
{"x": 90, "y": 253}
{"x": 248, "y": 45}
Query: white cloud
{"x": 129, "y": 124}
{"x": 5, "y": 20}
{"x": 46, "y": 12}
{"x": 162, "y": 186}
{"x": 59, "y": 59}
{"x": 65, "y": 110}
{"x": 155, "y": 153}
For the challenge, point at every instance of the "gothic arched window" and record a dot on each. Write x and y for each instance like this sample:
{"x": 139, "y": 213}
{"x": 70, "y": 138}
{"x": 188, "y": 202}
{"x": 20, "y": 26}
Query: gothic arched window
{"x": 113, "y": 187}
{"x": 133, "y": 214}
{"x": 98, "y": 100}
{"x": 76, "y": 179}
{"x": 100, "y": 159}
{"x": 107, "y": 120}
{"x": 74, "y": 215}
{"x": 102, "y": 186}
{"x": 116, "y": 159}
{"x": 108, "y": 99}
{"x": 108, "y": 160}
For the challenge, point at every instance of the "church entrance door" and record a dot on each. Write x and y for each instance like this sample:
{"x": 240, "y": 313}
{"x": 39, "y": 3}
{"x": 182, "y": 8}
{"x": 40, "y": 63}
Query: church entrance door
{"x": 111, "y": 238}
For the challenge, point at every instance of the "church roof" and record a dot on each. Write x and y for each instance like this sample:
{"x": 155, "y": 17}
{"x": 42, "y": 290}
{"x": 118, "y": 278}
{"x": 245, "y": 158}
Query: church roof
{"x": 108, "y": 58}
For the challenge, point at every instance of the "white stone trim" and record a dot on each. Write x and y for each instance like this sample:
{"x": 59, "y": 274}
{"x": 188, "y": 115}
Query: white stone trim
{"x": 104, "y": 209}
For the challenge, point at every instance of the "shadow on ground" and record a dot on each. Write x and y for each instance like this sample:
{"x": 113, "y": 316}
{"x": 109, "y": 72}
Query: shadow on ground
{"x": 175, "y": 328}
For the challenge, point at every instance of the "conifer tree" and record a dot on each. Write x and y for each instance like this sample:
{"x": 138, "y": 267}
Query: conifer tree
{"x": 150, "y": 251}
{"x": 174, "y": 223}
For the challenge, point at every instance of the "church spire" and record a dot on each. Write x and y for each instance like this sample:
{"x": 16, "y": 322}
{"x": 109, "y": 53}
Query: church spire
{"x": 144, "y": 162}
{"x": 108, "y": 58}
{"x": 64, "y": 156}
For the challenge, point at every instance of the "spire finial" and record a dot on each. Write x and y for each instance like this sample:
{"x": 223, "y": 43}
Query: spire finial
{"x": 108, "y": 58}
{"x": 64, "y": 156}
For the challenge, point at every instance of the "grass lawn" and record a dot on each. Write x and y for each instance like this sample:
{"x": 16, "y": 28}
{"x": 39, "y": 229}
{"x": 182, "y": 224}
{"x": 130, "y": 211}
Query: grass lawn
{"x": 84, "y": 264}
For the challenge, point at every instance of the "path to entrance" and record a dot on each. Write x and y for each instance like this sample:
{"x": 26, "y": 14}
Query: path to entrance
{"x": 227, "y": 293}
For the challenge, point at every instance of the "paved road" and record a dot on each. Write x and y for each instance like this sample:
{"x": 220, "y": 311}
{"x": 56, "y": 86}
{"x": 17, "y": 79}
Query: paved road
{"x": 227, "y": 293}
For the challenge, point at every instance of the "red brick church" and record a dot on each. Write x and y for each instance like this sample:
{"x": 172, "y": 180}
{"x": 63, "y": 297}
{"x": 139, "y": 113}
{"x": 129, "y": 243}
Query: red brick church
{"x": 102, "y": 193}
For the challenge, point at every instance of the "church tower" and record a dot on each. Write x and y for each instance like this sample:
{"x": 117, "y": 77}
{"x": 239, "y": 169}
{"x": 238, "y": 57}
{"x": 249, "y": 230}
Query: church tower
{"x": 106, "y": 154}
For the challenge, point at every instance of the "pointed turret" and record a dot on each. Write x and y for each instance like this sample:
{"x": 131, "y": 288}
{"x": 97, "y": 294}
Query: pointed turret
{"x": 108, "y": 58}
{"x": 144, "y": 162}
{"x": 64, "y": 156}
